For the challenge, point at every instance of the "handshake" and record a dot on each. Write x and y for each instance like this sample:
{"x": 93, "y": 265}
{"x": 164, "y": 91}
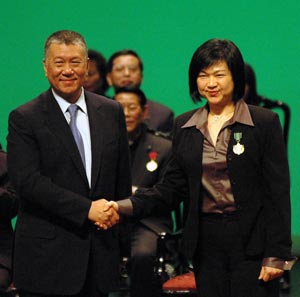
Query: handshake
{"x": 104, "y": 213}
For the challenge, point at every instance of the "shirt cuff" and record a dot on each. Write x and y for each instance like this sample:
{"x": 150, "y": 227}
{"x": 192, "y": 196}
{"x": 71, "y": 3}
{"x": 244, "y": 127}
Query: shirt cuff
{"x": 279, "y": 263}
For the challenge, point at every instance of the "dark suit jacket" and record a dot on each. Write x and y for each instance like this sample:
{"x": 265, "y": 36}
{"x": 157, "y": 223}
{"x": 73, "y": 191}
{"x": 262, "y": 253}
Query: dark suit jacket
{"x": 142, "y": 177}
{"x": 259, "y": 179}
{"x": 8, "y": 210}
{"x": 54, "y": 239}
{"x": 160, "y": 117}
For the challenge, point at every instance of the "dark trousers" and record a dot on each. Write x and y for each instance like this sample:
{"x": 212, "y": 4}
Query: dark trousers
{"x": 143, "y": 281}
{"x": 5, "y": 277}
{"x": 87, "y": 291}
{"x": 221, "y": 267}
{"x": 90, "y": 288}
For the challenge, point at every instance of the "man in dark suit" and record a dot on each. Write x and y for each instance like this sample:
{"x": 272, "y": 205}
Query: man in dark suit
{"x": 8, "y": 210}
{"x": 149, "y": 155}
{"x": 125, "y": 69}
{"x": 59, "y": 251}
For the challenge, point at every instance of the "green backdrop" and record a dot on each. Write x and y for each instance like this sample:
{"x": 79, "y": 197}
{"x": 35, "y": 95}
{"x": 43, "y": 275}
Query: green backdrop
{"x": 165, "y": 33}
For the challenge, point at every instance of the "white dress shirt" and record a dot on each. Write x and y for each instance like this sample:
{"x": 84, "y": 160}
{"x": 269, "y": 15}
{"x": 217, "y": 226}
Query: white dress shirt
{"x": 82, "y": 122}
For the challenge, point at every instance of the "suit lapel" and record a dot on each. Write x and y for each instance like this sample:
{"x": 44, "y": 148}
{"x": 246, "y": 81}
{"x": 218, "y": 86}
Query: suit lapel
{"x": 194, "y": 155}
{"x": 198, "y": 138}
{"x": 98, "y": 126}
{"x": 58, "y": 125}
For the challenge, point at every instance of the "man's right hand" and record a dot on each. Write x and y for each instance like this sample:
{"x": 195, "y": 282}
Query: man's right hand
{"x": 104, "y": 213}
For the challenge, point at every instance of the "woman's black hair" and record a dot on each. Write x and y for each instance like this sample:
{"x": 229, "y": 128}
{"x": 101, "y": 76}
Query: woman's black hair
{"x": 211, "y": 52}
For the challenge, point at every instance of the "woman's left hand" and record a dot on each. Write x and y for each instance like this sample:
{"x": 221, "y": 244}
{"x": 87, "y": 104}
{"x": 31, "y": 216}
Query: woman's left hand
{"x": 270, "y": 273}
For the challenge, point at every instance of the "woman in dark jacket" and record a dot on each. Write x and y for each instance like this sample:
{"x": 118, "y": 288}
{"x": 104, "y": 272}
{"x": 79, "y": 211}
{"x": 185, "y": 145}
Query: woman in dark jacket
{"x": 229, "y": 165}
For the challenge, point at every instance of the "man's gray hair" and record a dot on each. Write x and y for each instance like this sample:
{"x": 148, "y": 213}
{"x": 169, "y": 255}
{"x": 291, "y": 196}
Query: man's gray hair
{"x": 65, "y": 37}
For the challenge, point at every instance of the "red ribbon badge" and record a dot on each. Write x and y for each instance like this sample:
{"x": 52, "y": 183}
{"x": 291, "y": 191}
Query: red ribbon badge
{"x": 152, "y": 155}
{"x": 152, "y": 165}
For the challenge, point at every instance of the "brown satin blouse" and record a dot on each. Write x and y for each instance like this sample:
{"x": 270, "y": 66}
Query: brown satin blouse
{"x": 217, "y": 194}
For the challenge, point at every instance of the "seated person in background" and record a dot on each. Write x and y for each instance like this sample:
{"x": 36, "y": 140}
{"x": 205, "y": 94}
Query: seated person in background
{"x": 252, "y": 97}
{"x": 8, "y": 210}
{"x": 125, "y": 68}
{"x": 149, "y": 155}
{"x": 96, "y": 79}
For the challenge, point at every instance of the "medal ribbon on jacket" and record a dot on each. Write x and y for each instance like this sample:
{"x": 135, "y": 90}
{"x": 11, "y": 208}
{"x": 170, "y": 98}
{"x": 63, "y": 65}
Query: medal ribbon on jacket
{"x": 238, "y": 148}
{"x": 152, "y": 164}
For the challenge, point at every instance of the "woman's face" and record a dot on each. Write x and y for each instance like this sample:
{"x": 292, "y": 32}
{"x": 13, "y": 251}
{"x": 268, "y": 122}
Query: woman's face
{"x": 93, "y": 80}
{"x": 215, "y": 84}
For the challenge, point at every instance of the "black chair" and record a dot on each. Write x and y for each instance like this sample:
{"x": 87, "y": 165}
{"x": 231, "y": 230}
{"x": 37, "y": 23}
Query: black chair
{"x": 176, "y": 274}
{"x": 279, "y": 105}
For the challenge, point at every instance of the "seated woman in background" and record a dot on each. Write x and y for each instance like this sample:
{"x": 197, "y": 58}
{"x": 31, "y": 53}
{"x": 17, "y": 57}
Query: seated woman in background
{"x": 96, "y": 79}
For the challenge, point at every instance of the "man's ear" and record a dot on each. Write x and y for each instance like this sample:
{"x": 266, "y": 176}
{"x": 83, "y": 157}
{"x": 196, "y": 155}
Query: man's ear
{"x": 146, "y": 112}
{"x": 87, "y": 67}
{"x": 45, "y": 67}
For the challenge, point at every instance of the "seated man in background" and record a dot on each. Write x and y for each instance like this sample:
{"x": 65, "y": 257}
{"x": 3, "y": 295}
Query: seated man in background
{"x": 149, "y": 155}
{"x": 125, "y": 69}
{"x": 8, "y": 210}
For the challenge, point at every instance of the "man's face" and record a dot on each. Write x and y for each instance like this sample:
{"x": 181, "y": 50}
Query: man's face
{"x": 134, "y": 113}
{"x": 126, "y": 72}
{"x": 66, "y": 69}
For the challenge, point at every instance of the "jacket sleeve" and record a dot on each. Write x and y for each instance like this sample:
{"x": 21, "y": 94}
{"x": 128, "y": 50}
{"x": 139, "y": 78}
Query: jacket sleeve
{"x": 276, "y": 202}
{"x": 8, "y": 196}
{"x": 167, "y": 193}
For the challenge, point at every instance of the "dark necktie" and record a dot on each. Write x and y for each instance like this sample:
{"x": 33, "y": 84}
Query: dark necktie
{"x": 73, "y": 108}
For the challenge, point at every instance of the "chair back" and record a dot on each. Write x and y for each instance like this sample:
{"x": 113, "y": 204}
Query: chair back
{"x": 279, "y": 105}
